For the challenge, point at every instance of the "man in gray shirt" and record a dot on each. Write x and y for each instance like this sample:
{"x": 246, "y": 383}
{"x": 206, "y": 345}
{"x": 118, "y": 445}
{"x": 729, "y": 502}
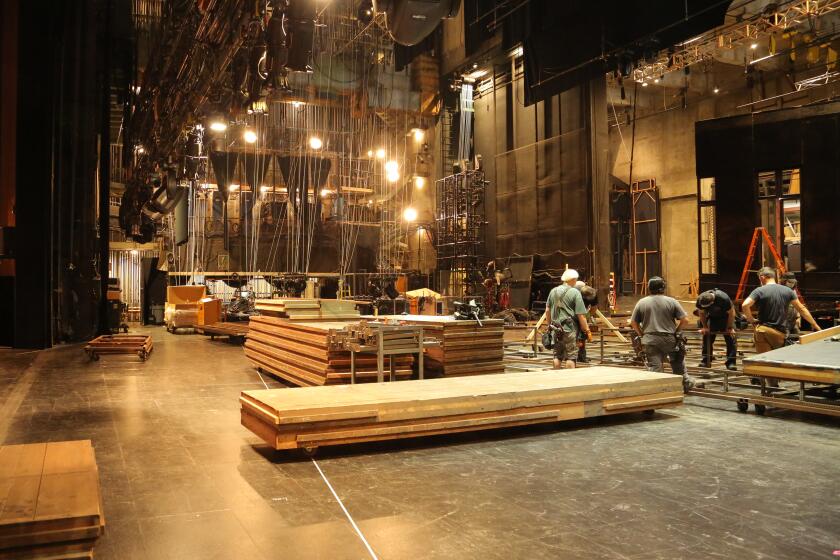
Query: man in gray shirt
{"x": 658, "y": 319}
{"x": 567, "y": 314}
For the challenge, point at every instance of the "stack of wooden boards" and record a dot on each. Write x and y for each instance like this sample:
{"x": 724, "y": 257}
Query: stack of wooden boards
{"x": 230, "y": 329}
{"x": 303, "y": 309}
{"x": 50, "y": 504}
{"x": 139, "y": 344}
{"x": 465, "y": 347}
{"x": 310, "y": 417}
{"x": 310, "y": 353}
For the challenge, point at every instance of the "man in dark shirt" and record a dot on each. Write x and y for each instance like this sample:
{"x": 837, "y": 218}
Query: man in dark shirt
{"x": 658, "y": 319}
{"x": 772, "y": 300}
{"x": 717, "y": 315}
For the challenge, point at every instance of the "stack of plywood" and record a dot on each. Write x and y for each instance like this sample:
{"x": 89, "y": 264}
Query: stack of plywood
{"x": 310, "y": 353}
{"x": 309, "y": 417}
{"x": 50, "y": 504}
{"x": 303, "y": 309}
{"x": 465, "y": 347}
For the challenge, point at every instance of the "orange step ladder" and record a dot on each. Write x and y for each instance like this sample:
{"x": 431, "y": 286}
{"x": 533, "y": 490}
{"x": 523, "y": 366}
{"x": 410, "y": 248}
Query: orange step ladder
{"x": 758, "y": 234}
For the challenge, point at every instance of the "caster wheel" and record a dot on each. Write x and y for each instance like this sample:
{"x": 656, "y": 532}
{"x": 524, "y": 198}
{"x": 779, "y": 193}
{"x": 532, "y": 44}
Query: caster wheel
{"x": 310, "y": 451}
{"x": 743, "y": 406}
{"x": 760, "y": 409}
{"x": 648, "y": 413}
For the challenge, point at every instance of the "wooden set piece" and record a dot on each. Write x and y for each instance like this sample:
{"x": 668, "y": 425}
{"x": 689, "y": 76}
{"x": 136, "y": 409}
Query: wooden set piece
{"x": 50, "y": 503}
{"x": 310, "y": 417}
{"x": 464, "y": 347}
{"x": 138, "y": 344}
{"x": 310, "y": 353}
{"x": 230, "y": 329}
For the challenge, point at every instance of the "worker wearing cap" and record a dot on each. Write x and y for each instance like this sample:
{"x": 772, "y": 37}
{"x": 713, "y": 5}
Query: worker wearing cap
{"x": 717, "y": 315}
{"x": 659, "y": 320}
{"x": 567, "y": 314}
{"x": 772, "y": 299}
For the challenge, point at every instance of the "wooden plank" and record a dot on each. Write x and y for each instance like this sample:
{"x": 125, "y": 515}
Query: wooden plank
{"x": 819, "y": 335}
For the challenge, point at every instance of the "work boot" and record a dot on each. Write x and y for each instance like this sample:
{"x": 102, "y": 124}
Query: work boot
{"x": 689, "y": 384}
{"x": 704, "y": 365}
{"x": 731, "y": 366}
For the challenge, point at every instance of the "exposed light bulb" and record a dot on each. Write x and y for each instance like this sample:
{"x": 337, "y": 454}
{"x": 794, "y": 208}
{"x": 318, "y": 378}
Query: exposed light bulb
{"x": 393, "y": 176}
{"x": 218, "y": 126}
{"x": 315, "y": 143}
{"x": 419, "y": 182}
{"x": 716, "y": 90}
{"x": 325, "y": 193}
{"x": 409, "y": 214}
{"x": 419, "y": 134}
{"x": 754, "y": 46}
{"x": 391, "y": 166}
{"x": 250, "y": 136}
{"x": 380, "y": 153}
{"x": 644, "y": 84}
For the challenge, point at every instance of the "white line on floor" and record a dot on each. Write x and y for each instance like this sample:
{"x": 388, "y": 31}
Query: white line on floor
{"x": 347, "y": 513}
{"x": 261, "y": 379}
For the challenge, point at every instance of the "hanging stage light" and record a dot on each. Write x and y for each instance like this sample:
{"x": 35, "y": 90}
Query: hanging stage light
{"x": 250, "y": 136}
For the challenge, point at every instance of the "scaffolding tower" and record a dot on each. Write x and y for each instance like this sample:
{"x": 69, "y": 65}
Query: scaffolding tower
{"x": 460, "y": 232}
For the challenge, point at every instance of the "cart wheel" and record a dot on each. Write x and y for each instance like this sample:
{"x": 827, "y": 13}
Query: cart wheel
{"x": 743, "y": 406}
{"x": 760, "y": 409}
{"x": 310, "y": 451}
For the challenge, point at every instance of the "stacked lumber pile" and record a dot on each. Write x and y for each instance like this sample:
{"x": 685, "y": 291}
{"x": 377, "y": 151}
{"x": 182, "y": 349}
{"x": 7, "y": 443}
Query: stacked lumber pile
{"x": 302, "y": 309}
{"x": 465, "y": 347}
{"x": 50, "y": 504}
{"x": 311, "y": 353}
{"x": 139, "y": 344}
{"x": 230, "y": 329}
{"x": 310, "y": 417}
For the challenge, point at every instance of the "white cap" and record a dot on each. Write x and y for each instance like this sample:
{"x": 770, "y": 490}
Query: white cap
{"x": 569, "y": 274}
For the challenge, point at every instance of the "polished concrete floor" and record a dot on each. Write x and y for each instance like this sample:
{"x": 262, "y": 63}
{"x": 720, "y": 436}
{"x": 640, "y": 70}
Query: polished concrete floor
{"x": 181, "y": 479}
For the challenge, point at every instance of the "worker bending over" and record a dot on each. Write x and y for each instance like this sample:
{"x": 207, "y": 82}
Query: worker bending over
{"x": 659, "y": 320}
{"x": 567, "y": 314}
{"x": 772, "y": 299}
{"x": 717, "y": 315}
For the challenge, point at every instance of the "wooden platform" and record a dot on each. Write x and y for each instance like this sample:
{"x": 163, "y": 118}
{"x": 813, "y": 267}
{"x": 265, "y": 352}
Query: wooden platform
{"x": 310, "y": 353}
{"x": 303, "y": 309}
{"x": 230, "y": 329}
{"x": 818, "y": 362}
{"x": 50, "y": 504}
{"x": 464, "y": 347}
{"x": 120, "y": 344}
{"x": 316, "y": 416}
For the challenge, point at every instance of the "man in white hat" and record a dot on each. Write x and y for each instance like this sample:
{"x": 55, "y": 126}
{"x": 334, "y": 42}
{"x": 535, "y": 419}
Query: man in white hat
{"x": 567, "y": 313}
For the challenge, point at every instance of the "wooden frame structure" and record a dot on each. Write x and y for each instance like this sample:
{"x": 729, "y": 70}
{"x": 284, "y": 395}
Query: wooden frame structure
{"x": 140, "y": 344}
